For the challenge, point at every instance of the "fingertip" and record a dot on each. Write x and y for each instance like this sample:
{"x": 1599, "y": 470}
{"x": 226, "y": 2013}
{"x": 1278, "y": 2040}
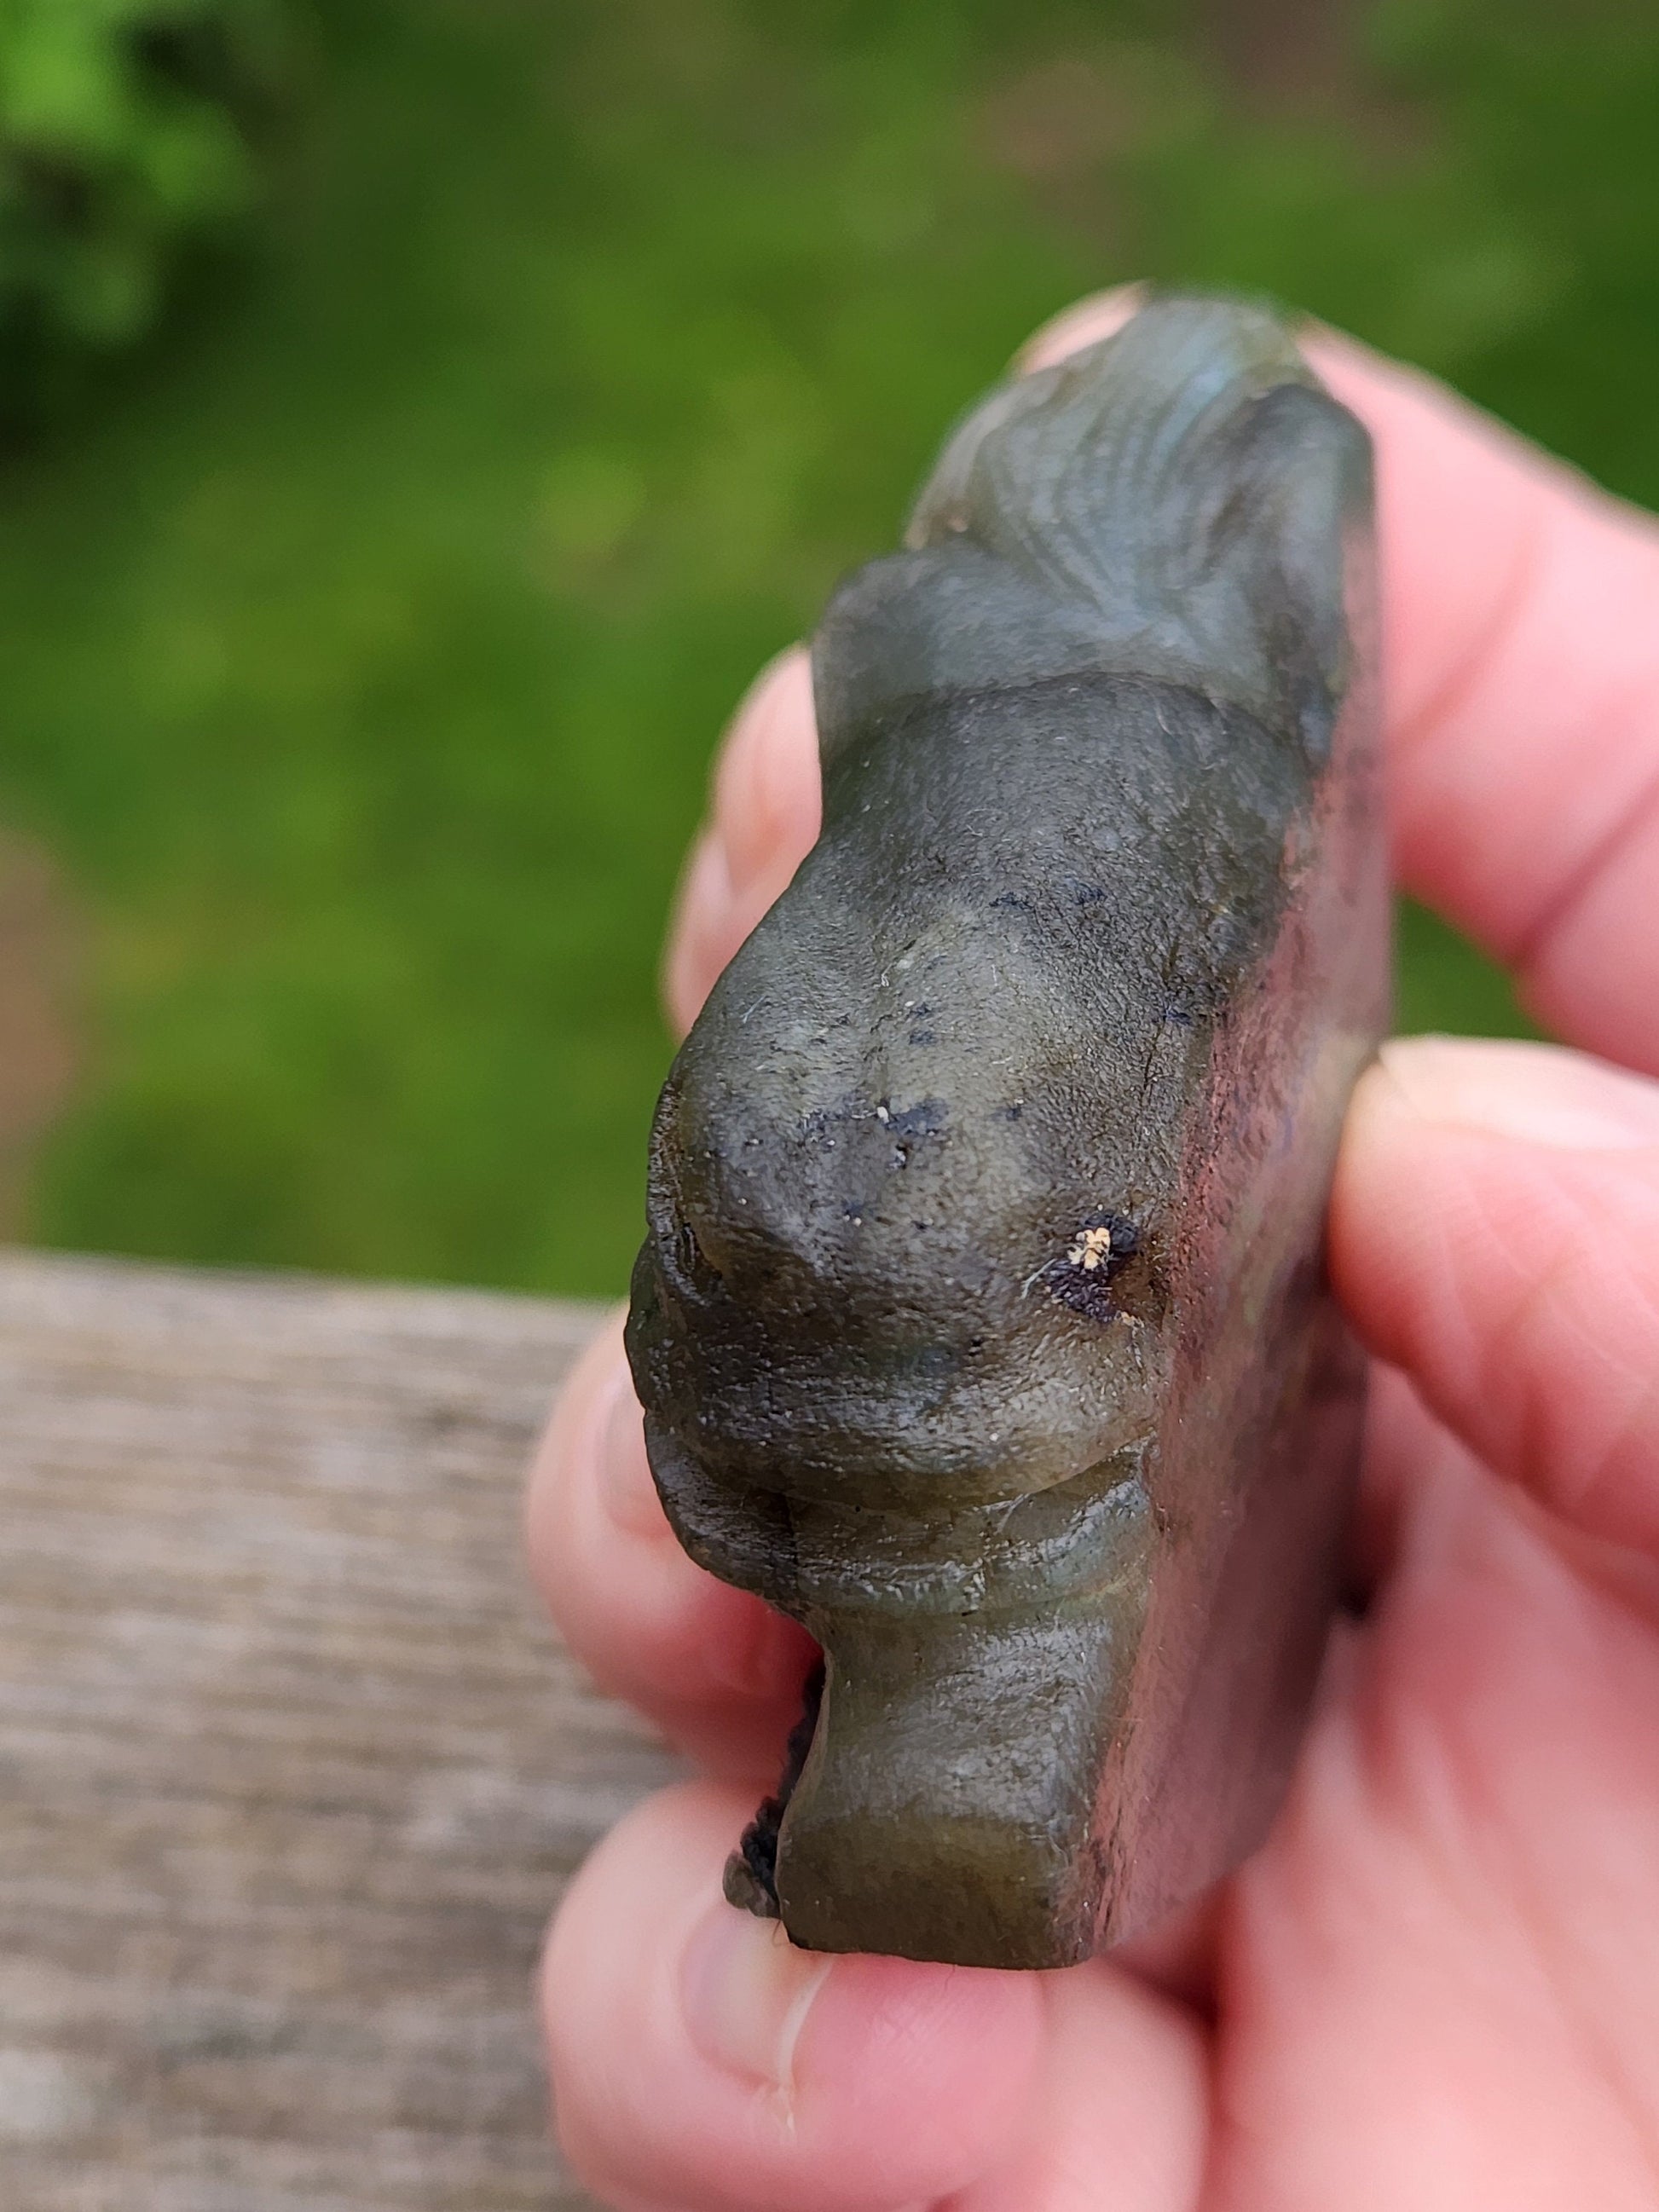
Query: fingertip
{"x": 929, "y": 2068}
{"x": 1083, "y": 324}
{"x": 767, "y": 796}
{"x": 1538, "y": 1094}
{"x": 767, "y": 805}
{"x": 939, "y": 2062}
{"x": 699, "y": 2058}
{"x": 1427, "y": 424}
{"x": 702, "y": 936}
{"x": 599, "y": 1374}
{"x": 1493, "y": 1224}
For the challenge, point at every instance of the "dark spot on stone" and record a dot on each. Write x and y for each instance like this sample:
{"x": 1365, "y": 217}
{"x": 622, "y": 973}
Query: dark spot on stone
{"x": 752, "y": 1872}
{"x": 1088, "y": 1295}
{"x": 926, "y": 1120}
{"x": 1082, "y": 1275}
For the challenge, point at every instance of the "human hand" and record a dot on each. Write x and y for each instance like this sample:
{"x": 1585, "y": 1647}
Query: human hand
{"x": 1437, "y": 1983}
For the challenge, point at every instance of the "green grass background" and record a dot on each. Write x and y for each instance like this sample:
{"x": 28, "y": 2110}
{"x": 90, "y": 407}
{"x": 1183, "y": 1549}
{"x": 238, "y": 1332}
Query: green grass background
{"x": 363, "y": 648}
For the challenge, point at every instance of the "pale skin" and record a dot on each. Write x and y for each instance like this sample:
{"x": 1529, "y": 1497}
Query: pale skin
{"x": 1436, "y": 1986}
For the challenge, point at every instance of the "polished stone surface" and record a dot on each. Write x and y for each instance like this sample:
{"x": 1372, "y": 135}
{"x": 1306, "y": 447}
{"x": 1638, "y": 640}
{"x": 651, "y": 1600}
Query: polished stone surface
{"x": 981, "y": 1323}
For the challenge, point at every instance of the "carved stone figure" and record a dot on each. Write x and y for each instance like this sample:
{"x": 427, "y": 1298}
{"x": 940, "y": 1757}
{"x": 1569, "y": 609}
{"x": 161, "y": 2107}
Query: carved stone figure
{"x": 981, "y": 1323}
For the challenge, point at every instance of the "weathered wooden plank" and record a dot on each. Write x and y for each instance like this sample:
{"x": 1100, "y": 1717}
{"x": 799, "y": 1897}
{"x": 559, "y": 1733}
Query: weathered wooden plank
{"x": 291, "y": 1772}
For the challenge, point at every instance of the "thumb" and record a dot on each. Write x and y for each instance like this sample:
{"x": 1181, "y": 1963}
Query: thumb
{"x": 1495, "y": 1232}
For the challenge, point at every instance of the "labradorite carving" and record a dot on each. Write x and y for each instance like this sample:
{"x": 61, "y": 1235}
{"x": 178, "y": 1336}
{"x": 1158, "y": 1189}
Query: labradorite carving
{"x": 981, "y": 1323}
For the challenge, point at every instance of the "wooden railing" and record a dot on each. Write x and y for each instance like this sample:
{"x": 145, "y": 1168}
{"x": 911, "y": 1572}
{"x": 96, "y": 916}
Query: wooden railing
{"x": 291, "y": 1771}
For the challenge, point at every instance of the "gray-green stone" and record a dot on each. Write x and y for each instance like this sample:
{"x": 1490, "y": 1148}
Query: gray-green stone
{"x": 981, "y": 1323}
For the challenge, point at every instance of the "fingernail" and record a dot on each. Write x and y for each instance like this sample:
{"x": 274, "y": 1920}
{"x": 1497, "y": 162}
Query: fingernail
{"x": 1539, "y": 1094}
{"x": 747, "y": 1991}
{"x": 1084, "y": 323}
{"x": 625, "y": 1484}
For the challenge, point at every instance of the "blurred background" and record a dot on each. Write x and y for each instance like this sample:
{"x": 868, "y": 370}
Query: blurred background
{"x": 420, "y": 421}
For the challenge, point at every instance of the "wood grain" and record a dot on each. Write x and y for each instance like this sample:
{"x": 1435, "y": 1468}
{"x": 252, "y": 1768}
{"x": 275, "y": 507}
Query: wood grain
{"x": 291, "y": 1772}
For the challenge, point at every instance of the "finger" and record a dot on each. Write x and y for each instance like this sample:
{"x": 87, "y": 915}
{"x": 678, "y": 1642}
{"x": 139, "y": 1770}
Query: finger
{"x": 1084, "y": 323}
{"x": 1406, "y": 1454}
{"x": 700, "y": 2062}
{"x": 765, "y": 816}
{"x": 715, "y": 1669}
{"x": 1437, "y": 1978}
{"x": 1495, "y": 1233}
{"x": 1522, "y": 670}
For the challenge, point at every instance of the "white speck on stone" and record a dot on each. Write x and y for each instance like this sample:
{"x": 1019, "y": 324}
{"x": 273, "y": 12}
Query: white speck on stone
{"x": 1093, "y": 1250}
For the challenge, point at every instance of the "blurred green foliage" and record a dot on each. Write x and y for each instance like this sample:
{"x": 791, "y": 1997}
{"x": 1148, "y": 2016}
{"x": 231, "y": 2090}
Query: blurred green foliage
{"x": 124, "y": 150}
{"x": 363, "y": 656}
